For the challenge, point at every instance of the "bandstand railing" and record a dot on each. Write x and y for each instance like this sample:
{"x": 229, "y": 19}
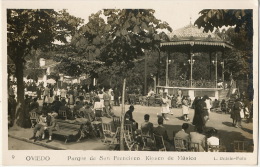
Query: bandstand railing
{"x": 195, "y": 83}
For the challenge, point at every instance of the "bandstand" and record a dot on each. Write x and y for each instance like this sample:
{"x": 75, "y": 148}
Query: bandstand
{"x": 192, "y": 40}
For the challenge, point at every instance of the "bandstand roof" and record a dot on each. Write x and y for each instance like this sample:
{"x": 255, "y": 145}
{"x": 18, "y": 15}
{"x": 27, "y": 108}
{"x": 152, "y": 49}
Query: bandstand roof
{"x": 181, "y": 40}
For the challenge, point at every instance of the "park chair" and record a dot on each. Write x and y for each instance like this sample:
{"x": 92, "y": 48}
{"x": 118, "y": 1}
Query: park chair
{"x": 63, "y": 114}
{"x": 116, "y": 122}
{"x": 34, "y": 118}
{"x": 180, "y": 144}
{"x": 146, "y": 137}
{"x": 194, "y": 147}
{"x": 128, "y": 127}
{"x": 107, "y": 132}
{"x": 159, "y": 143}
{"x": 239, "y": 146}
{"x": 129, "y": 141}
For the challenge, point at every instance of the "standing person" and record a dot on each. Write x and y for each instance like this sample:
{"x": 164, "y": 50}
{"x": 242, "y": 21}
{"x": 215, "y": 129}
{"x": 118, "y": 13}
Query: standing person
{"x": 107, "y": 99}
{"x": 116, "y": 96}
{"x": 46, "y": 93}
{"x": 237, "y": 109}
{"x": 165, "y": 106}
{"x": 200, "y": 115}
{"x": 185, "y": 108}
{"x": 63, "y": 93}
{"x": 39, "y": 93}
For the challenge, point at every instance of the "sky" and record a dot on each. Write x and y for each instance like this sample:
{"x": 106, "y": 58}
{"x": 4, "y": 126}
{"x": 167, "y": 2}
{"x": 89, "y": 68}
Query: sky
{"x": 176, "y": 16}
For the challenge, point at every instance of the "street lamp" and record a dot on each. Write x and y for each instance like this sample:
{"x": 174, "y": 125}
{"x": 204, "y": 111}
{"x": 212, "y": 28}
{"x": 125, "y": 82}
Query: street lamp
{"x": 191, "y": 62}
{"x": 167, "y": 70}
{"x": 215, "y": 62}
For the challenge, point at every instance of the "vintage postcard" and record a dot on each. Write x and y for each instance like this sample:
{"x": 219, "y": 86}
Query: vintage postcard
{"x": 129, "y": 82}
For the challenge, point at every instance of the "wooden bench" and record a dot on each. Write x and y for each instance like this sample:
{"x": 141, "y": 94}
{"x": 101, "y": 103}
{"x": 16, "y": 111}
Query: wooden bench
{"x": 67, "y": 129}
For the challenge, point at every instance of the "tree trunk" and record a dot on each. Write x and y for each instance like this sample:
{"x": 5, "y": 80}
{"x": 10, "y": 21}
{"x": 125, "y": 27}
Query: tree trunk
{"x": 20, "y": 92}
{"x": 122, "y": 118}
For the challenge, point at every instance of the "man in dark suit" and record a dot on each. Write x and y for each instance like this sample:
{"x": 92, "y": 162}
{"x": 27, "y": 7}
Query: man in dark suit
{"x": 146, "y": 126}
{"x": 183, "y": 132}
{"x": 130, "y": 113}
{"x": 161, "y": 131}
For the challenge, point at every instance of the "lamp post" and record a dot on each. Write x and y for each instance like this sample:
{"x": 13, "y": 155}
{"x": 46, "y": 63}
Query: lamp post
{"x": 215, "y": 62}
{"x": 223, "y": 77}
{"x": 167, "y": 71}
{"x": 191, "y": 62}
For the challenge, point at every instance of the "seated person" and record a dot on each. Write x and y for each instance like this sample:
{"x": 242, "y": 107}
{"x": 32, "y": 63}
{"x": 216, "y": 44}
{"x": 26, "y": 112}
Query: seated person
{"x": 40, "y": 126}
{"x": 146, "y": 126}
{"x": 34, "y": 105}
{"x": 223, "y": 106}
{"x": 130, "y": 113}
{"x": 63, "y": 107}
{"x": 183, "y": 132}
{"x": 161, "y": 131}
{"x": 98, "y": 107}
{"x": 51, "y": 125}
{"x": 129, "y": 122}
{"x": 77, "y": 107}
{"x": 87, "y": 112}
{"x": 212, "y": 138}
{"x": 198, "y": 137}
{"x": 56, "y": 104}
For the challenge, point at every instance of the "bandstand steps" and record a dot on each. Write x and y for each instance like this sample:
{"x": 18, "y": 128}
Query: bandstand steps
{"x": 223, "y": 94}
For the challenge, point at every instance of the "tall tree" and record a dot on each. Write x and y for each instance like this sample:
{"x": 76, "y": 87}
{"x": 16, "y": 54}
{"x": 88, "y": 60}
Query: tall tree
{"x": 30, "y": 29}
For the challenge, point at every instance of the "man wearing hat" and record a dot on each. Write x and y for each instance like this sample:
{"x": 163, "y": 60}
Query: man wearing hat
{"x": 40, "y": 126}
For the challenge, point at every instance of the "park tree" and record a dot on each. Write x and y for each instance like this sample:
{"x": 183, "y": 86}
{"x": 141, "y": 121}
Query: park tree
{"x": 30, "y": 29}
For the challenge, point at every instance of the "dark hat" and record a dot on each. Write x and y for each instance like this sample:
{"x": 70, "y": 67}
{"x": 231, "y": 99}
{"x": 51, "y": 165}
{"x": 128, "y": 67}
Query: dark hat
{"x": 131, "y": 107}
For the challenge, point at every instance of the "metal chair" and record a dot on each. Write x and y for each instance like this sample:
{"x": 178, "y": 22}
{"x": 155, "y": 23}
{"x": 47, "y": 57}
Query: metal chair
{"x": 239, "y": 146}
{"x": 34, "y": 118}
{"x": 107, "y": 132}
{"x": 159, "y": 143}
{"x": 180, "y": 144}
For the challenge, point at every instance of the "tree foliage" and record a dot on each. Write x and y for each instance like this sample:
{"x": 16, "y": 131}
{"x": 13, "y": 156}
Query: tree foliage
{"x": 216, "y": 18}
{"x": 31, "y": 29}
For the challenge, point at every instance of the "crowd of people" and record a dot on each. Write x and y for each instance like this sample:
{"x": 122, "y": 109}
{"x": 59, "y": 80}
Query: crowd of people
{"x": 90, "y": 104}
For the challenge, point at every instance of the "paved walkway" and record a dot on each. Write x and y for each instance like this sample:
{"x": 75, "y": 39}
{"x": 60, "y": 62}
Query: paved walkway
{"x": 222, "y": 122}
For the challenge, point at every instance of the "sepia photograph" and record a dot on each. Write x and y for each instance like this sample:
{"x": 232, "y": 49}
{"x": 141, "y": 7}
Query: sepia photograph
{"x": 164, "y": 83}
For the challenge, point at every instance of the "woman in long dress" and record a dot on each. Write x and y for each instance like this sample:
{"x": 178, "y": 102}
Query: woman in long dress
{"x": 165, "y": 106}
{"x": 185, "y": 108}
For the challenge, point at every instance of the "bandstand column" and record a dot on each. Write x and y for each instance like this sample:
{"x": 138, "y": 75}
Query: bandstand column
{"x": 216, "y": 70}
{"x": 167, "y": 70}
